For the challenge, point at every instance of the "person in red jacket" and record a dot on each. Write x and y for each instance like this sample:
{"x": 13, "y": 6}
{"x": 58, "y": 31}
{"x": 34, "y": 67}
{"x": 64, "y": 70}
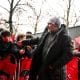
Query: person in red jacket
{"x": 77, "y": 51}
{"x": 25, "y": 59}
{"x": 8, "y": 55}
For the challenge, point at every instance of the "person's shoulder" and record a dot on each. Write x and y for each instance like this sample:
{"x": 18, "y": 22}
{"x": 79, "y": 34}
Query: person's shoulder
{"x": 67, "y": 37}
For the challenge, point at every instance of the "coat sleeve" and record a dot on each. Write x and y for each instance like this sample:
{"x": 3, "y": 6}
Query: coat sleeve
{"x": 5, "y": 49}
{"x": 15, "y": 50}
{"x": 36, "y": 63}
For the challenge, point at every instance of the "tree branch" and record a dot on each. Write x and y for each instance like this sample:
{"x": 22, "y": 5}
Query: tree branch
{"x": 16, "y": 5}
{"x": 32, "y": 8}
{"x": 4, "y": 8}
{"x": 9, "y": 1}
{"x": 68, "y": 12}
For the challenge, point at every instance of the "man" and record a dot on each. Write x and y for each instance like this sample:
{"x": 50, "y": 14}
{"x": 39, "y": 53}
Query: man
{"x": 53, "y": 52}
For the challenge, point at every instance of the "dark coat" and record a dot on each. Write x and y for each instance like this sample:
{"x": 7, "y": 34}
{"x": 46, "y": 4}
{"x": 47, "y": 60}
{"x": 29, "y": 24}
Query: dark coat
{"x": 8, "y": 50}
{"x": 8, "y": 47}
{"x": 59, "y": 54}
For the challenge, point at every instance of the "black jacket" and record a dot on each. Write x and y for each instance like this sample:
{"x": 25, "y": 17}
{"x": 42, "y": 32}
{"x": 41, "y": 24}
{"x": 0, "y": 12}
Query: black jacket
{"x": 7, "y": 48}
{"x": 59, "y": 54}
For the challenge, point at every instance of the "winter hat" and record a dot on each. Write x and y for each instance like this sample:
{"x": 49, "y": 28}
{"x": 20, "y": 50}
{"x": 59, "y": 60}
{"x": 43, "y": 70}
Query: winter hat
{"x": 55, "y": 20}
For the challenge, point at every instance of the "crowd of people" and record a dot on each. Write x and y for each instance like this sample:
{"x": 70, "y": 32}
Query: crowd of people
{"x": 14, "y": 56}
{"x": 20, "y": 60}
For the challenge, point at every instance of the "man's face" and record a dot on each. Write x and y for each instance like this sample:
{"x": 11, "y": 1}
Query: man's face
{"x": 52, "y": 27}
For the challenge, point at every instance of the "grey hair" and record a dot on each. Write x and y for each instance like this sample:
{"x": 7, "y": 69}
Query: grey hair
{"x": 56, "y": 21}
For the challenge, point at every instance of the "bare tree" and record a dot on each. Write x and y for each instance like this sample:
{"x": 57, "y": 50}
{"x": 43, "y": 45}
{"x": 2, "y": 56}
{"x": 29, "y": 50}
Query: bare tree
{"x": 37, "y": 18}
{"x": 11, "y": 12}
{"x": 68, "y": 12}
{"x": 12, "y": 8}
{"x": 70, "y": 15}
{"x": 36, "y": 15}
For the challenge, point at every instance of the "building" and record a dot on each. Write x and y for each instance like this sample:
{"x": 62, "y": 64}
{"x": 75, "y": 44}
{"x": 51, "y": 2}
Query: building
{"x": 74, "y": 31}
